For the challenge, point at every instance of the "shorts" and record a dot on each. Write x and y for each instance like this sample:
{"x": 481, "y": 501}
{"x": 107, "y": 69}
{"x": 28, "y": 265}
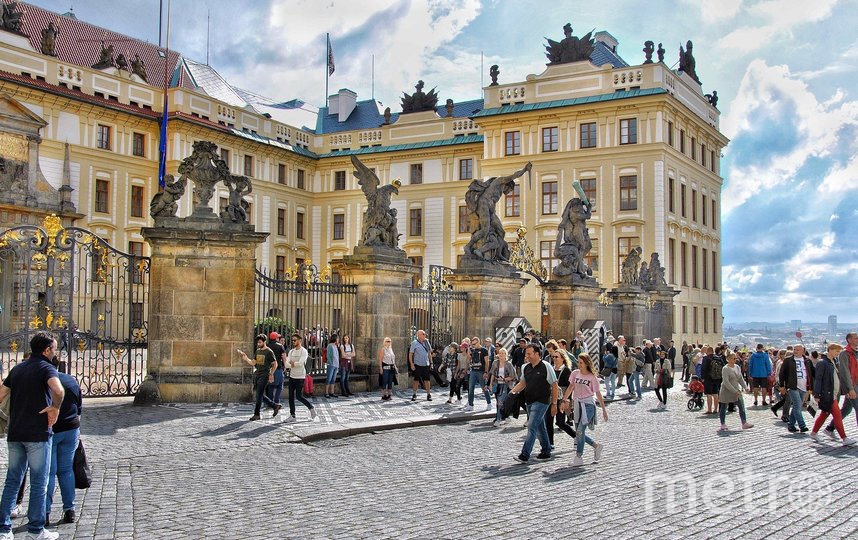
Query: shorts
{"x": 711, "y": 387}
{"x": 760, "y": 382}
{"x": 421, "y": 373}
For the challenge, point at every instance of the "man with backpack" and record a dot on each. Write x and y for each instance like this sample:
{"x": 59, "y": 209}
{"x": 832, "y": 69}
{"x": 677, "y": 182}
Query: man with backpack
{"x": 711, "y": 372}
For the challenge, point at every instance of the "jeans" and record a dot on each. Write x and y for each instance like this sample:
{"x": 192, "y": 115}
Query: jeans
{"x": 611, "y": 385}
{"x": 260, "y": 384}
{"x": 795, "y": 416}
{"x": 296, "y": 390}
{"x": 344, "y": 381}
{"x": 634, "y": 383}
{"x": 476, "y": 377}
{"x": 36, "y": 455}
{"x": 332, "y": 374}
{"x": 62, "y": 471}
{"x": 722, "y": 411}
{"x": 581, "y": 436}
{"x": 387, "y": 379}
{"x": 500, "y": 397}
{"x": 274, "y": 391}
{"x": 536, "y": 429}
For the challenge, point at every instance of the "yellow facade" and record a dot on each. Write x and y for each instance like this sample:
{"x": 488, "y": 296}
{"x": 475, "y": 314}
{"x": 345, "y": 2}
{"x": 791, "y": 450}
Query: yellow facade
{"x": 547, "y": 110}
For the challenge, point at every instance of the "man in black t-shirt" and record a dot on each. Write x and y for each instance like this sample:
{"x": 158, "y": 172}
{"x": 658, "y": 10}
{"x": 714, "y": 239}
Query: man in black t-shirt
{"x": 539, "y": 384}
{"x": 275, "y": 390}
{"x": 265, "y": 364}
{"x": 479, "y": 373}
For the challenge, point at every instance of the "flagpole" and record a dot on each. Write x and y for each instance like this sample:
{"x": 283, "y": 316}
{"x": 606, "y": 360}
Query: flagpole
{"x": 327, "y": 66}
{"x": 373, "y": 77}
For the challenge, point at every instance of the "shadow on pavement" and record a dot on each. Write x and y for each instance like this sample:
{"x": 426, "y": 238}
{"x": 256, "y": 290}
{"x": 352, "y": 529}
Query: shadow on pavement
{"x": 223, "y": 430}
{"x": 106, "y": 419}
{"x": 511, "y": 471}
{"x": 256, "y": 432}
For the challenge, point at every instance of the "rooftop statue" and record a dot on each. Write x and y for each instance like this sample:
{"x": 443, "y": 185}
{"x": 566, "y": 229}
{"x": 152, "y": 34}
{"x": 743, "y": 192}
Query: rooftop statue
{"x": 49, "y": 40}
{"x": 487, "y": 233}
{"x": 494, "y": 71}
{"x": 630, "y": 267}
{"x": 138, "y": 68}
{"x": 573, "y": 239}
{"x": 11, "y": 18}
{"x": 379, "y": 219}
{"x": 649, "y": 48}
{"x": 165, "y": 203}
{"x": 687, "y": 64}
{"x": 570, "y": 48}
{"x": 419, "y": 100}
{"x": 660, "y": 53}
{"x": 121, "y": 62}
{"x": 105, "y": 60}
{"x": 713, "y": 98}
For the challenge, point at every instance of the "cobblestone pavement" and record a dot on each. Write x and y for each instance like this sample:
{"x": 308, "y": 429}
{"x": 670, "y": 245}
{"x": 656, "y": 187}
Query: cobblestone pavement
{"x": 204, "y": 471}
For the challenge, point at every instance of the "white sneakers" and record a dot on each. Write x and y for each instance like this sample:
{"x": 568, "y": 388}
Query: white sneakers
{"x": 467, "y": 408}
{"x": 7, "y": 535}
{"x": 814, "y": 436}
{"x": 488, "y": 407}
{"x": 597, "y": 452}
{"x": 313, "y": 414}
{"x": 577, "y": 461}
{"x": 44, "y": 535}
{"x": 848, "y": 442}
{"x": 831, "y": 434}
{"x": 496, "y": 423}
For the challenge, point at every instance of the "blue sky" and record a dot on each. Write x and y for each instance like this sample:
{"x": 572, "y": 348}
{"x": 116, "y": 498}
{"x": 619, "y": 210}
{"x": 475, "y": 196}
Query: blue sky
{"x": 786, "y": 72}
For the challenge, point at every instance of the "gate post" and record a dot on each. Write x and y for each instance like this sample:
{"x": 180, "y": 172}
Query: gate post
{"x": 569, "y": 306}
{"x": 490, "y": 297}
{"x": 201, "y": 308}
{"x": 633, "y": 301}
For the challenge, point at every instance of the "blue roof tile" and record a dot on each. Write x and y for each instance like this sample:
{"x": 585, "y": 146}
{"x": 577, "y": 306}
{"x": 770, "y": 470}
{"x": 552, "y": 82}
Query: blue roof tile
{"x": 624, "y": 94}
{"x": 602, "y": 55}
{"x": 369, "y": 114}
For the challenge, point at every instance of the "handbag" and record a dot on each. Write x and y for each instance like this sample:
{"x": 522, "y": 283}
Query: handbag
{"x": 606, "y": 372}
{"x": 82, "y": 471}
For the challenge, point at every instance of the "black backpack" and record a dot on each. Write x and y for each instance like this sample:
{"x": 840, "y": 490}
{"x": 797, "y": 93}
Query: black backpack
{"x": 715, "y": 367}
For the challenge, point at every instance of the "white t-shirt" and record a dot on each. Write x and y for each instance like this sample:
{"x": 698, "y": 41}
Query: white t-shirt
{"x": 299, "y": 356}
{"x": 800, "y": 374}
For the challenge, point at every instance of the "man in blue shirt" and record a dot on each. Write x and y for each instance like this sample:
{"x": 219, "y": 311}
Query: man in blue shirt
{"x": 36, "y": 396}
{"x": 418, "y": 363}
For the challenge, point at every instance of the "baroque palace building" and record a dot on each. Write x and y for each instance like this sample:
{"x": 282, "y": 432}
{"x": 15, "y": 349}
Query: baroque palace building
{"x": 642, "y": 140}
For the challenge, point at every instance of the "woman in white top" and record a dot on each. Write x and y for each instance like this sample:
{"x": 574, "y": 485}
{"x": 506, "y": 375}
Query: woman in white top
{"x": 347, "y": 354}
{"x": 387, "y": 368}
{"x": 503, "y": 378}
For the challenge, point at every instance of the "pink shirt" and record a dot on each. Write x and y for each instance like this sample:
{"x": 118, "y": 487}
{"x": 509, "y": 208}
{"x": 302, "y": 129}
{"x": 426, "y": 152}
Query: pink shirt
{"x": 585, "y": 384}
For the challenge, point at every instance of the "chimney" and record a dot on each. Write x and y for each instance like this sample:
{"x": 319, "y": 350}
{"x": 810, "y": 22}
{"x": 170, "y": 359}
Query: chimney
{"x": 606, "y": 38}
{"x": 346, "y": 102}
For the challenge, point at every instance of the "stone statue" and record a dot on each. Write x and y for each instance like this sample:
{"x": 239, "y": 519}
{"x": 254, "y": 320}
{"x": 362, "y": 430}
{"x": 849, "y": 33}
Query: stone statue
{"x": 106, "y": 58}
{"x": 494, "y": 71}
{"x": 649, "y": 48}
{"x": 570, "y": 48}
{"x": 487, "y": 233}
{"x": 449, "y": 108}
{"x": 11, "y": 18}
{"x": 419, "y": 100}
{"x": 49, "y": 40}
{"x": 165, "y": 203}
{"x": 660, "y": 53}
{"x": 205, "y": 168}
{"x": 379, "y": 219}
{"x": 387, "y": 115}
{"x": 237, "y": 208}
{"x": 121, "y": 62}
{"x": 630, "y": 267}
{"x": 573, "y": 240}
{"x": 713, "y": 98}
{"x": 656, "y": 272}
{"x": 687, "y": 64}
{"x": 643, "y": 277}
{"x": 138, "y": 68}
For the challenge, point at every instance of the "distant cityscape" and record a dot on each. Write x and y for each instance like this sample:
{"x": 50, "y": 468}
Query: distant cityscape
{"x": 814, "y": 335}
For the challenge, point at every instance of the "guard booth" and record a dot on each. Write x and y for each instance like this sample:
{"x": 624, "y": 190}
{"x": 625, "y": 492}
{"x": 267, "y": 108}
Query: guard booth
{"x": 508, "y": 330}
{"x": 596, "y": 334}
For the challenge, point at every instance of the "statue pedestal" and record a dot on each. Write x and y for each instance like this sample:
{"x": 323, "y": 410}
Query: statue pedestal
{"x": 490, "y": 297}
{"x": 633, "y": 301}
{"x": 569, "y": 306}
{"x": 382, "y": 310}
{"x": 201, "y": 309}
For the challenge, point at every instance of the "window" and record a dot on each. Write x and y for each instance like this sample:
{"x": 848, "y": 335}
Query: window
{"x": 136, "y": 314}
{"x": 139, "y": 143}
{"x": 683, "y": 263}
{"x": 415, "y": 222}
{"x": 589, "y": 187}
{"x": 415, "y": 278}
{"x": 281, "y": 221}
{"x": 670, "y": 133}
{"x": 628, "y": 193}
{"x": 682, "y": 140}
{"x": 682, "y": 200}
{"x": 694, "y": 205}
{"x": 703, "y": 205}
{"x": 299, "y": 225}
{"x": 671, "y": 187}
{"x": 463, "y": 220}
{"x": 549, "y": 198}
{"x": 694, "y": 272}
{"x": 629, "y": 131}
{"x": 714, "y": 320}
{"x": 715, "y": 279}
{"x": 248, "y": 165}
{"x": 280, "y": 267}
{"x": 549, "y": 139}
{"x": 588, "y": 135}
{"x": 546, "y": 255}
{"x": 702, "y": 154}
{"x": 624, "y": 247}
{"x": 136, "y": 250}
{"x": 339, "y": 227}
{"x": 416, "y": 173}
{"x": 592, "y": 258}
{"x": 103, "y": 140}
{"x": 694, "y": 320}
{"x": 712, "y": 163}
{"x": 705, "y": 320}
{"x": 684, "y": 319}
{"x": 466, "y": 169}
{"x": 300, "y": 181}
{"x": 340, "y": 180}
{"x": 513, "y": 202}
{"x": 671, "y": 259}
{"x": 693, "y": 148}
{"x": 102, "y": 191}
{"x": 281, "y": 173}
{"x": 714, "y": 214}
{"x": 136, "y": 201}
{"x": 224, "y": 155}
{"x": 705, "y": 274}
{"x": 513, "y": 143}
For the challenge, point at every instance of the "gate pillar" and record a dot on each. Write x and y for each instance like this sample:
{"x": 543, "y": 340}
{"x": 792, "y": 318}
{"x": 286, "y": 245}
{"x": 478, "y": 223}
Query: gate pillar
{"x": 201, "y": 308}
{"x": 569, "y": 306}
{"x": 490, "y": 297}
{"x": 381, "y": 308}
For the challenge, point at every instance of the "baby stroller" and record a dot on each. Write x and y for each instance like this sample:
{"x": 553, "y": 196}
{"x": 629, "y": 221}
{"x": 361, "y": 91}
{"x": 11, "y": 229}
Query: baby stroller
{"x": 696, "y": 388}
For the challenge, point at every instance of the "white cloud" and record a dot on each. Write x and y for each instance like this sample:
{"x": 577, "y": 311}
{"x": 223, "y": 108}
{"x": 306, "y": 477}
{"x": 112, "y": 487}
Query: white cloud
{"x": 739, "y": 278}
{"x": 715, "y": 12}
{"x": 779, "y": 16}
{"x": 841, "y": 178}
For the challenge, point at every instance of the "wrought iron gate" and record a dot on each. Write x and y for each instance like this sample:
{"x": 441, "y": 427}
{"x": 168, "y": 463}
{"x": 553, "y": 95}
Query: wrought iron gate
{"x": 437, "y": 309}
{"x": 90, "y": 295}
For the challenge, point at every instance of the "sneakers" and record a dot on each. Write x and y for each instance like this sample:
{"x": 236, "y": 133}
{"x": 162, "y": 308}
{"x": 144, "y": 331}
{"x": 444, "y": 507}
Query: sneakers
{"x": 747, "y": 425}
{"x": 468, "y": 408}
{"x": 848, "y": 442}
{"x": 413, "y": 397}
{"x": 45, "y": 534}
{"x": 543, "y": 455}
{"x": 577, "y": 461}
{"x": 254, "y": 418}
{"x": 521, "y": 458}
{"x": 496, "y": 423}
{"x": 449, "y": 402}
{"x": 428, "y": 397}
{"x": 276, "y": 410}
{"x": 8, "y": 535}
{"x": 814, "y": 436}
{"x": 459, "y": 401}
{"x": 723, "y": 428}
{"x": 18, "y": 511}
{"x": 597, "y": 452}
{"x": 68, "y": 516}
{"x": 313, "y": 414}
{"x": 804, "y": 429}
{"x": 488, "y": 407}
{"x": 290, "y": 418}
{"x": 831, "y": 434}
{"x": 792, "y": 429}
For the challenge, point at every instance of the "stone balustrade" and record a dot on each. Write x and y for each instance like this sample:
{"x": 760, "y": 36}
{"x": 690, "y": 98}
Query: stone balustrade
{"x": 369, "y": 136}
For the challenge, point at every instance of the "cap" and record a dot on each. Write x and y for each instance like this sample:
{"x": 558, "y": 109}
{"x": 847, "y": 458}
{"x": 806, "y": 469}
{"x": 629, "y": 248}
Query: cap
{"x": 273, "y": 336}
{"x": 522, "y": 339}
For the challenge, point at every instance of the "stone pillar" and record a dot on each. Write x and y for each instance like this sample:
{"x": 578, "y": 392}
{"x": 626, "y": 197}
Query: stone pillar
{"x": 490, "y": 297}
{"x": 201, "y": 309}
{"x": 633, "y": 302}
{"x": 662, "y": 298}
{"x": 382, "y": 310}
{"x": 569, "y": 306}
